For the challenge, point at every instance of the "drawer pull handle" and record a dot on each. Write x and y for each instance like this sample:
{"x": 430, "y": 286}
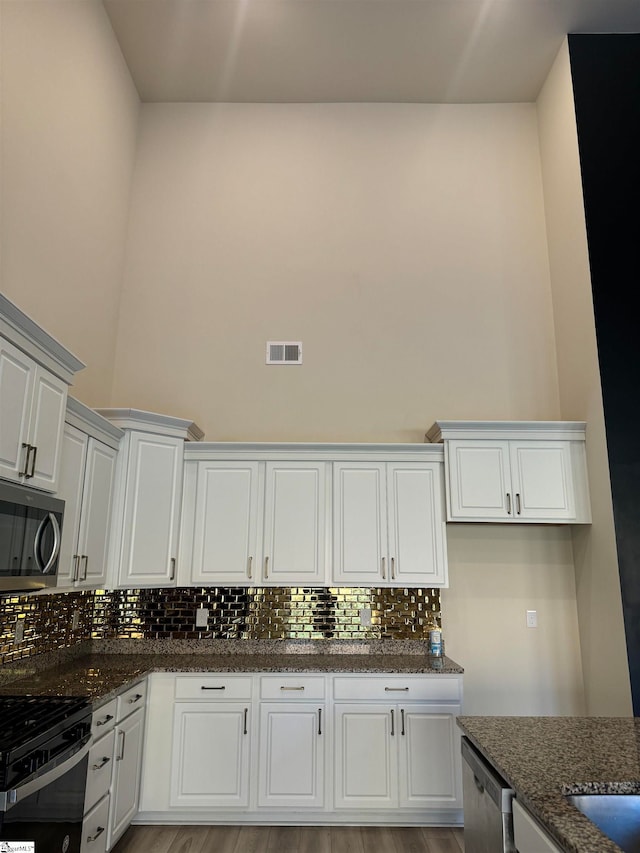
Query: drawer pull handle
{"x": 212, "y": 688}
{"x": 319, "y": 721}
{"x": 135, "y": 698}
{"x": 246, "y": 713}
{"x": 104, "y": 761}
{"x": 92, "y": 838}
{"x": 402, "y": 718}
{"x": 105, "y": 721}
{"x": 292, "y": 688}
{"x": 396, "y": 689}
{"x": 393, "y": 724}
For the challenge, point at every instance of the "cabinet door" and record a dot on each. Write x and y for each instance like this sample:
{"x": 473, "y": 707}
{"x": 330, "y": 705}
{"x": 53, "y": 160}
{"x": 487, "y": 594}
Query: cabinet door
{"x": 95, "y": 520}
{"x": 417, "y": 543}
{"x": 543, "y": 487}
{"x": 17, "y": 376}
{"x": 365, "y": 757}
{"x": 47, "y": 429}
{"x": 125, "y": 785}
{"x": 210, "y": 755}
{"x": 479, "y": 480}
{"x": 226, "y": 523}
{"x": 291, "y": 758}
{"x": 360, "y": 547}
{"x": 72, "y": 468}
{"x": 295, "y": 519}
{"x": 151, "y": 514}
{"x": 430, "y": 771}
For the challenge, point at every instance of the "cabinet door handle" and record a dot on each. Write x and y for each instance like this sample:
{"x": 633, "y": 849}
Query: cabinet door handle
{"x": 396, "y": 689}
{"x": 266, "y": 567}
{"x": 105, "y": 721}
{"x": 292, "y": 688}
{"x": 27, "y": 450}
{"x": 135, "y": 698}
{"x": 246, "y": 714}
{"x": 508, "y": 504}
{"x": 402, "y": 719}
{"x": 172, "y": 576}
{"x": 249, "y": 568}
{"x": 393, "y": 724}
{"x": 121, "y": 754}
{"x": 319, "y": 721}
{"x": 76, "y": 566}
{"x": 104, "y": 761}
{"x": 92, "y": 838}
{"x": 518, "y": 503}
{"x": 33, "y": 464}
{"x": 384, "y": 573}
{"x": 86, "y": 566}
{"x": 393, "y": 568}
{"x": 213, "y": 688}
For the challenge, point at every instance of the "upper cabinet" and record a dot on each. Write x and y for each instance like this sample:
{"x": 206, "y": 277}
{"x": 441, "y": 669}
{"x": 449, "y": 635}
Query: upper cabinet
{"x": 87, "y": 478}
{"x": 313, "y": 515}
{"x": 388, "y": 522}
{"x": 148, "y": 496}
{"x": 35, "y": 372}
{"x": 515, "y": 472}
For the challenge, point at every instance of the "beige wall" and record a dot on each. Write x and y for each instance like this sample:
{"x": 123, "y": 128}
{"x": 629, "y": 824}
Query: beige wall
{"x": 68, "y": 113}
{"x": 403, "y": 244}
{"x": 602, "y": 640}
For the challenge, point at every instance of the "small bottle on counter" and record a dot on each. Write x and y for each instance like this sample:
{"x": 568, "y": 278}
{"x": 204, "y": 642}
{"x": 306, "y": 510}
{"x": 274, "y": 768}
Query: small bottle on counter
{"x": 435, "y": 643}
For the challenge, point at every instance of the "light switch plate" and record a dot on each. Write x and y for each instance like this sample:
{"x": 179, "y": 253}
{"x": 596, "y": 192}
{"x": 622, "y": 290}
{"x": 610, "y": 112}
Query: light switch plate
{"x": 532, "y": 618}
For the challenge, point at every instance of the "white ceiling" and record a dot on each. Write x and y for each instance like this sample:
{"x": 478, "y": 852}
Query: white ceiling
{"x": 425, "y": 51}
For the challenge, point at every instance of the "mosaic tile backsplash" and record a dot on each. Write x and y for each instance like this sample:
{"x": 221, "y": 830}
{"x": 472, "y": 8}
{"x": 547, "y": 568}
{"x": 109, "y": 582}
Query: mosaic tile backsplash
{"x": 257, "y": 613}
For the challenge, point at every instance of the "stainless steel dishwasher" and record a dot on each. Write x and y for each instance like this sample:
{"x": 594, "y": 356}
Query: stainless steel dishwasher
{"x": 488, "y": 821}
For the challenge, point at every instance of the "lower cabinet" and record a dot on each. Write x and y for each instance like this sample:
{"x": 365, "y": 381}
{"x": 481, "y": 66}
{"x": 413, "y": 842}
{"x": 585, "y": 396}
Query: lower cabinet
{"x": 113, "y": 773}
{"x": 311, "y": 748}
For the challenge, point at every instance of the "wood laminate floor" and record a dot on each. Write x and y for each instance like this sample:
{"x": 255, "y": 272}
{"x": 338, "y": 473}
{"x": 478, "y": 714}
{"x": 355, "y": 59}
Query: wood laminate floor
{"x": 290, "y": 839}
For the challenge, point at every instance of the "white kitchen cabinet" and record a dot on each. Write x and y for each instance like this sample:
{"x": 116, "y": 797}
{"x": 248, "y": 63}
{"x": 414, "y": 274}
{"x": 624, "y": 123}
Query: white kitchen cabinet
{"x": 94, "y": 828}
{"x": 292, "y": 742}
{"x": 148, "y": 497}
{"x": 515, "y": 472}
{"x": 127, "y": 762}
{"x": 86, "y": 485}
{"x": 528, "y": 835}
{"x": 365, "y": 757}
{"x": 389, "y": 524}
{"x": 397, "y": 754}
{"x": 35, "y": 373}
{"x": 32, "y": 406}
{"x": 211, "y": 742}
{"x": 257, "y": 522}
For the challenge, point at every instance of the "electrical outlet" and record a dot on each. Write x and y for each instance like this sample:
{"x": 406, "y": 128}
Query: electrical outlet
{"x": 532, "y": 618}
{"x": 365, "y": 616}
{"x": 18, "y": 635}
{"x": 202, "y": 617}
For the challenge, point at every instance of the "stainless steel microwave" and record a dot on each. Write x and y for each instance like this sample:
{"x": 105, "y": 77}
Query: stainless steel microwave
{"x": 30, "y": 532}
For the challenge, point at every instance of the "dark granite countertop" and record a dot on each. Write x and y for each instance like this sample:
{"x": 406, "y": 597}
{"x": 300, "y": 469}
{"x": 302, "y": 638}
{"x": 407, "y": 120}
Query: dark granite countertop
{"x": 544, "y": 758}
{"x": 102, "y": 676}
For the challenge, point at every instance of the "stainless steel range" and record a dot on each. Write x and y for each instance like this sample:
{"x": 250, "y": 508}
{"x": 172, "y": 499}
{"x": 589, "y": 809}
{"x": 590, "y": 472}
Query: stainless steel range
{"x": 44, "y": 742}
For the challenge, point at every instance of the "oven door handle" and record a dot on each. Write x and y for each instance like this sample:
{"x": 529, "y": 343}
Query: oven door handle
{"x": 65, "y": 762}
{"x": 56, "y": 543}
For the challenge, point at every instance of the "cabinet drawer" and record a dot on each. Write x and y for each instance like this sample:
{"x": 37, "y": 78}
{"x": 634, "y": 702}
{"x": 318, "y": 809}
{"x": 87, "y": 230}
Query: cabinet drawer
{"x": 131, "y": 700}
{"x": 396, "y": 688}
{"x": 99, "y": 770}
{"x": 213, "y": 687}
{"x": 94, "y": 828}
{"x": 104, "y": 719}
{"x": 292, "y": 687}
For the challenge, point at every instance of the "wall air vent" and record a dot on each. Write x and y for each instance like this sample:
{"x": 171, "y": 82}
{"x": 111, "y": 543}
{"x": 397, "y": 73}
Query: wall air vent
{"x": 284, "y": 352}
